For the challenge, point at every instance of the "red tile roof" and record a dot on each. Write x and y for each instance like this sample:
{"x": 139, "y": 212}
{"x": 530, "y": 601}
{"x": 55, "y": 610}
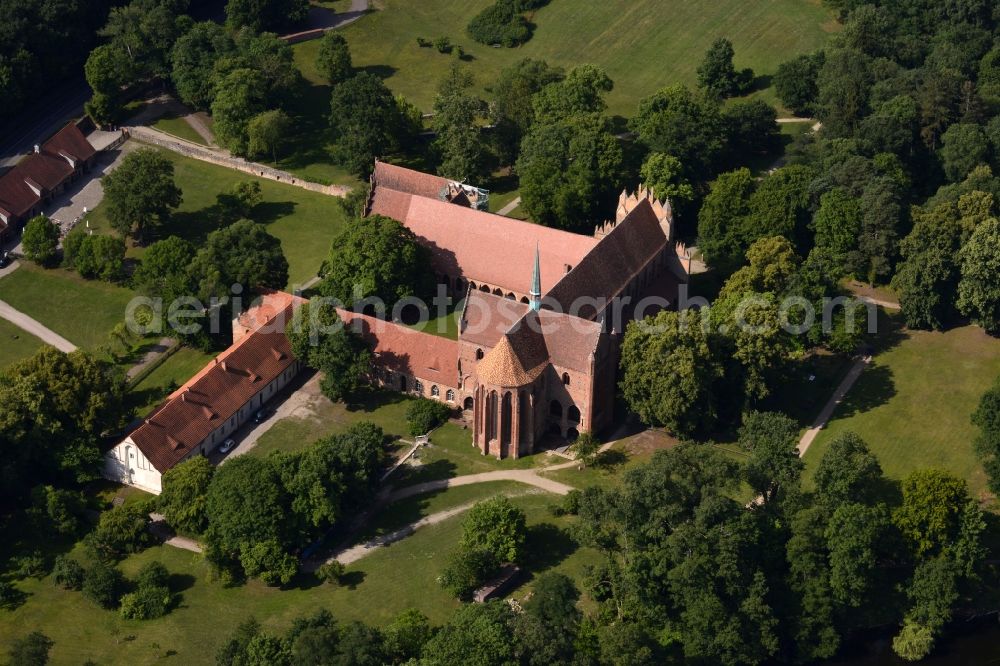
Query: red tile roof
{"x": 46, "y": 170}
{"x": 466, "y": 242}
{"x": 215, "y": 394}
{"x": 401, "y": 179}
{"x": 485, "y": 318}
{"x": 430, "y": 358}
{"x": 618, "y": 257}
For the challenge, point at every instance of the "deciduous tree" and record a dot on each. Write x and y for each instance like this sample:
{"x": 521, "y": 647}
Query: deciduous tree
{"x": 40, "y": 240}
{"x": 185, "y": 490}
{"x": 141, "y": 192}
{"x": 334, "y": 58}
{"x": 979, "y": 288}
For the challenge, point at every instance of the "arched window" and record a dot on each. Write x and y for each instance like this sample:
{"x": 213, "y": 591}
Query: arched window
{"x": 472, "y": 286}
{"x": 435, "y": 391}
{"x": 483, "y": 287}
{"x": 479, "y": 354}
{"x": 498, "y": 292}
{"x": 555, "y": 409}
{"x": 449, "y": 395}
{"x": 418, "y": 386}
{"x": 565, "y": 379}
{"x": 469, "y": 404}
{"x": 573, "y": 414}
{"x": 524, "y": 299}
{"x": 511, "y": 296}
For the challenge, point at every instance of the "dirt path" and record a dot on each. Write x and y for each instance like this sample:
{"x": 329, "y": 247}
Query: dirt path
{"x": 509, "y": 207}
{"x": 223, "y": 158}
{"x": 356, "y": 552}
{"x": 160, "y": 348}
{"x": 828, "y": 409}
{"x": 526, "y": 476}
{"x": 37, "y": 329}
{"x": 198, "y": 124}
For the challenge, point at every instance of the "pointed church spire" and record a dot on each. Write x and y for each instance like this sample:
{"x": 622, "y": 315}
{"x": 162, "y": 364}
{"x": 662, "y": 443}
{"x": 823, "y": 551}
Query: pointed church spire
{"x": 536, "y": 284}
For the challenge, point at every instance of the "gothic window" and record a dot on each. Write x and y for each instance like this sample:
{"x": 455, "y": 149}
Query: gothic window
{"x": 418, "y": 386}
{"x": 524, "y": 299}
{"x": 573, "y": 414}
{"x": 449, "y": 396}
{"x": 511, "y": 296}
{"x": 565, "y": 379}
{"x": 435, "y": 391}
{"x": 498, "y": 292}
{"x": 479, "y": 354}
{"x": 469, "y": 403}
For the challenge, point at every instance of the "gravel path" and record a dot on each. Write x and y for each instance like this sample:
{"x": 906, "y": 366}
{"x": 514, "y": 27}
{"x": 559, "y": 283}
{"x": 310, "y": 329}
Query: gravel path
{"x": 831, "y": 405}
{"x": 37, "y": 329}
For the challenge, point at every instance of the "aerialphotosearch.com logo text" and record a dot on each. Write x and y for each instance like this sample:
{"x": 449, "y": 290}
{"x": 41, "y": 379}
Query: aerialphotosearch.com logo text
{"x": 796, "y": 315}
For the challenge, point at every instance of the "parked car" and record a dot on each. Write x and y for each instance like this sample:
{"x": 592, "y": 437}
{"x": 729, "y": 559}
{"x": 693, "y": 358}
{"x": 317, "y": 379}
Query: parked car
{"x": 4, "y": 259}
{"x": 261, "y": 415}
{"x": 227, "y": 446}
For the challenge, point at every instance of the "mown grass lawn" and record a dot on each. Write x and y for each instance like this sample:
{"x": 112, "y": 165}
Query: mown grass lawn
{"x": 167, "y": 377}
{"x": 324, "y": 418}
{"x": 913, "y": 404}
{"x": 180, "y": 128}
{"x": 451, "y": 453}
{"x": 82, "y": 311}
{"x": 305, "y": 222}
{"x": 382, "y": 585}
{"x": 15, "y": 344}
{"x": 642, "y": 44}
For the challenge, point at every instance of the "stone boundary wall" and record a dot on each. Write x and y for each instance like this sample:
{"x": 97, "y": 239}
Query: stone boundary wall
{"x": 303, "y": 36}
{"x": 204, "y": 154}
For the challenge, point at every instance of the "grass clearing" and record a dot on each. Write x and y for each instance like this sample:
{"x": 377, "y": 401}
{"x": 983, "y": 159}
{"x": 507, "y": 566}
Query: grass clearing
{"x": 172, "y": 373}
{"x": 642, "y": 44}
{"x": 82, "y": 311}
{"x": 410, "y": 510}
{"x": 913, "y": 404}
{"x": 15, "y": 344}
{"x": 305, "y": 222}
{"x": 450, "y": 454}
{"x": 323, "y": 418}
{"x": 381, "y": 585}
{"x": 179, "y": 127}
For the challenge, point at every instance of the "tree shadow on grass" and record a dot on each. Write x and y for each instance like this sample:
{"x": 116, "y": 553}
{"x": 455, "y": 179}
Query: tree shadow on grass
{"x": 179, "y": 582}
{"x": 381, "y": 71}
{"x": 368, "y": 400}
{"x": 267, "y": 212}
{"x": 408, "y": 475}
{"x": 873, "y": 389}
{"x": 546, "y": 546}
{"x": 352, "y": 579}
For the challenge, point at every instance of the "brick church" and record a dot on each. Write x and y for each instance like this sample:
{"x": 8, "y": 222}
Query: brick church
{"x": 537, "y": 351}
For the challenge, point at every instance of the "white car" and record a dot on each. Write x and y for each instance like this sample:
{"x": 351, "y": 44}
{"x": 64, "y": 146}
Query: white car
{"x": 227, "y": 446}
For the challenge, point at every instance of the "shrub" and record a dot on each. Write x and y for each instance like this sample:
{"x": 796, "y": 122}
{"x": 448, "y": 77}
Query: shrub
{"x": 31, "y": 565}
{"x": 443, "y": 45}
{"x": 146, "y": 603}
{"x": 121, "y": 530}
{"x": 68, "y": 573}
{"x": 571, "y": 502}
{"x": 423, "y": 42}
{"x": 500, "y": 23}
{"x": 467, "y": 569}
{"x": 57, "y": 509}
{"x": 153, "y": 574}
{"x": 10, "y": 596}
{"x": 331, "y": 572}
{"x": 269, "y": 562}
{"x": 32, "y": 650}
{"x": 103, "y": 584}
{"x": 424, "y": 415}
